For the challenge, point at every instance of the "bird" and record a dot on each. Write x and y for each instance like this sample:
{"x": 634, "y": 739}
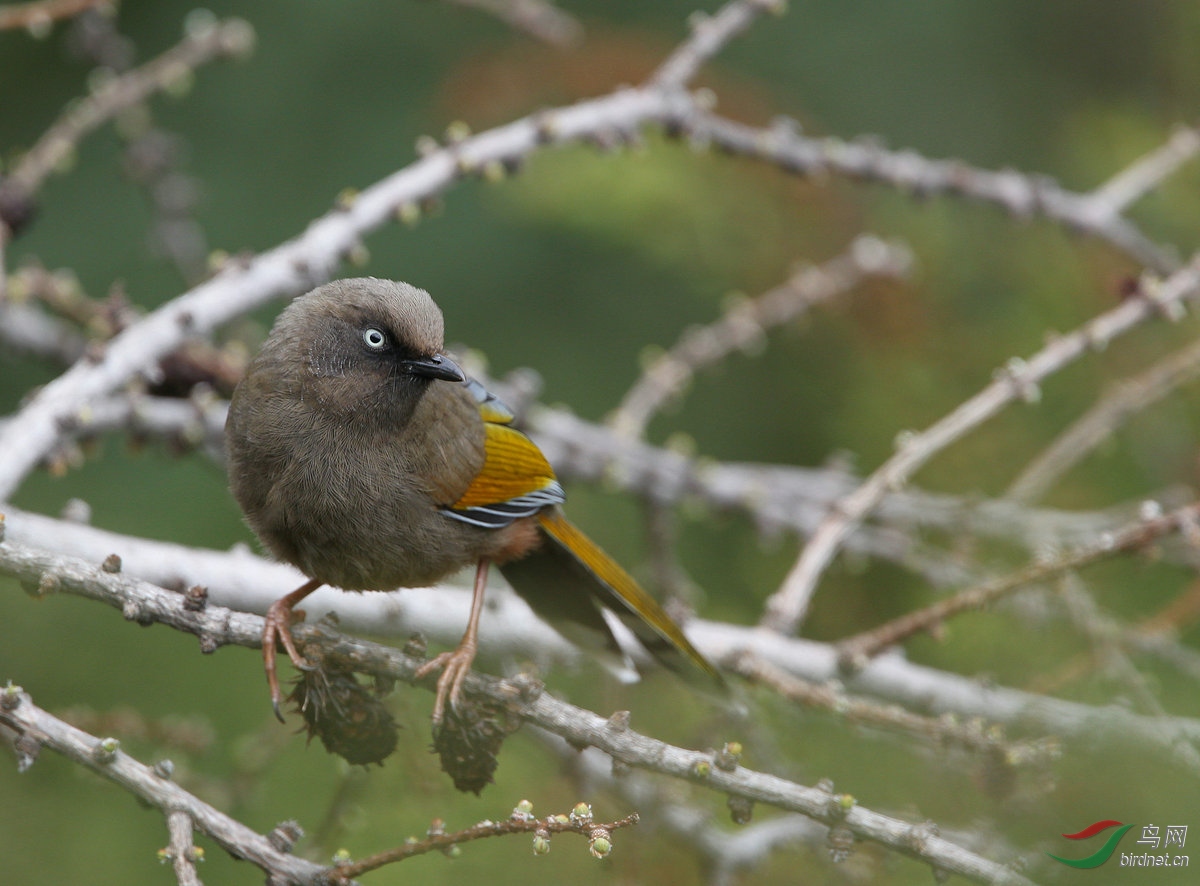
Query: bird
{"x": 362, "y": 454}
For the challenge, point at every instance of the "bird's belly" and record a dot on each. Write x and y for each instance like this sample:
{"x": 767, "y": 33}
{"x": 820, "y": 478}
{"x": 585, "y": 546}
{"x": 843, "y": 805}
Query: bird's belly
{"x": 337, "y": 527}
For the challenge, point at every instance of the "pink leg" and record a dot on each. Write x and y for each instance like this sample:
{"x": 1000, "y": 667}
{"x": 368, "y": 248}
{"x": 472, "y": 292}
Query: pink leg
{"x": 457, "y": 663}
{"x": 278, "y": 627}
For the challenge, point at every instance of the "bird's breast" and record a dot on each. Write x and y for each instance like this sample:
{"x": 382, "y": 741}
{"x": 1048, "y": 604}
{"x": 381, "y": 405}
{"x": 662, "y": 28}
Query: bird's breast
{"x": 355, "y": 500}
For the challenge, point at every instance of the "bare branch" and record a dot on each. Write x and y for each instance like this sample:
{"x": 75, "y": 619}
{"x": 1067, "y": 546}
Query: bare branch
{"x": 710, "y": 34}
{"x": 1020, "y": 194}
{"x": 153, "y": 786}
{"x": 1129, "y": 185}
{"x": 583, "y": 729}
{"x": 298, "y": 264}
{"x": 1017, "y": 381}
{"x": 181, "y": 850}
{"x": 243, "y": 582}
{"x": 927, "y": 689}
{"x": 777, "y": 497}
{"x": 216, "y": 626}
{"x": 975, "y": 735}
{"x": 307, "y": 259}
{"x": 797, "y": 499}
{"x": 726, "y": 851}
{"x": 888, "y": 677}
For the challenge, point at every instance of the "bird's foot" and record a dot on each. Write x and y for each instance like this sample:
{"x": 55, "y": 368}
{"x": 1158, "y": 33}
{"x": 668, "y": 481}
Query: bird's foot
{"x": 455, "y": 666}
{"x": 277, "y": 628}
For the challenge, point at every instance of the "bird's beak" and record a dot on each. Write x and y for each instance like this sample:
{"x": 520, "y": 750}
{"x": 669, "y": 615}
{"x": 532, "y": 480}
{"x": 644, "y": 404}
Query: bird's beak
{"x": 436, "y": 366}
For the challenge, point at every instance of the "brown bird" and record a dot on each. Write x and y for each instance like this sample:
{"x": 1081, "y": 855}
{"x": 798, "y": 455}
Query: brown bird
{"x": 362, "y": 454}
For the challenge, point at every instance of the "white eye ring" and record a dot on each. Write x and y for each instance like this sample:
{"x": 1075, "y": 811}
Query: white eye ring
{"x": 374, "y": 338}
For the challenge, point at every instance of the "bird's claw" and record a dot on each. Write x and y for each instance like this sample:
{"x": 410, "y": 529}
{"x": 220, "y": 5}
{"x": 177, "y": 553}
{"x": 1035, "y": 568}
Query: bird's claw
{"x": 455, "y": 666}
{"x": 277, "y": 629}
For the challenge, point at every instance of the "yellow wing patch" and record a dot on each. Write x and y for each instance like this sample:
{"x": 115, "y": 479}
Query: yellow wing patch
{"x": 513, "y": 466}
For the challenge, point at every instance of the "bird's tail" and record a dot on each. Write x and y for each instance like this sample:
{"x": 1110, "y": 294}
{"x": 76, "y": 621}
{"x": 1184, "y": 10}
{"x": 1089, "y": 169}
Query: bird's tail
{"x": 550, "y": 580}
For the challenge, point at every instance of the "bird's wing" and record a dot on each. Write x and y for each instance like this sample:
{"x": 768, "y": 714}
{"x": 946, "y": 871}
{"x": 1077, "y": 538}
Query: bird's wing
{"x": 569, "y": 581}
{"x": 515, "y": 480}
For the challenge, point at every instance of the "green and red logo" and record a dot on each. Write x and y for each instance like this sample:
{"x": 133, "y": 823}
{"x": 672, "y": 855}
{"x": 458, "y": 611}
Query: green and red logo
{"x": 1160, "y": 844}
{"x": 1101, "y": 855}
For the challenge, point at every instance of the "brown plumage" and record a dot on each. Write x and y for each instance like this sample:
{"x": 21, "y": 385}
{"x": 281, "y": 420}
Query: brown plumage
{"x": 362, "y": 455}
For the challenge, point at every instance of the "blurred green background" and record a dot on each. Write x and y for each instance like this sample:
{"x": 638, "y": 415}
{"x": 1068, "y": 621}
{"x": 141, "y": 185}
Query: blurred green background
{"x": 576, "y": 267}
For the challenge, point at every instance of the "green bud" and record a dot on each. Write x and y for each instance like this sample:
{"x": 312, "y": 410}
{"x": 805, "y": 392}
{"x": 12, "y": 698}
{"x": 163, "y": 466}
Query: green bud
{"x": 457, "y": 131}
{"x": 107, "y": 749}
{"x": 408, "y": 213}
{"x": 493, "y": 171}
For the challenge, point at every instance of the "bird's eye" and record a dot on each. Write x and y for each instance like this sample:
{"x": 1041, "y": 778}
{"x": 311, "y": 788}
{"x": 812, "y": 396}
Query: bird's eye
{"x": 375, "y": 339}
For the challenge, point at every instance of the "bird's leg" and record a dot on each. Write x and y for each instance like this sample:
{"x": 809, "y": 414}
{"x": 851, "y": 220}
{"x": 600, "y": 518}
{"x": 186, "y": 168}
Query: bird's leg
{"x": 457, "y": 663}
{"x": 277, "y": 626}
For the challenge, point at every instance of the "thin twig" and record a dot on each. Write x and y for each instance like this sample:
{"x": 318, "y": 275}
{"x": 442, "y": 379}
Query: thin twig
{"x": 182, "y": 850}
{"x": 710, "y": 34}
{"x": 857, "y": 650}
{"x": 1017, "y": 381}
{"x": 437, "y": 839}
{"x": 233, "y": 37}
{"x": 1126, "y": 399}
{"x": 1143, "y": 175}
{"x": 748, "y": 320}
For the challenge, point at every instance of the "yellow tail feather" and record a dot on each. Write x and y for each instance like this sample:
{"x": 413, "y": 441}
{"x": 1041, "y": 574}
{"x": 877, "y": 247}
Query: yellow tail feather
{"x": 614, "y": 588}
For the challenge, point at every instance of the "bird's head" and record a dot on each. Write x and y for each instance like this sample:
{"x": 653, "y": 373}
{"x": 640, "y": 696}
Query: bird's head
{"x": 364, "y": 343}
